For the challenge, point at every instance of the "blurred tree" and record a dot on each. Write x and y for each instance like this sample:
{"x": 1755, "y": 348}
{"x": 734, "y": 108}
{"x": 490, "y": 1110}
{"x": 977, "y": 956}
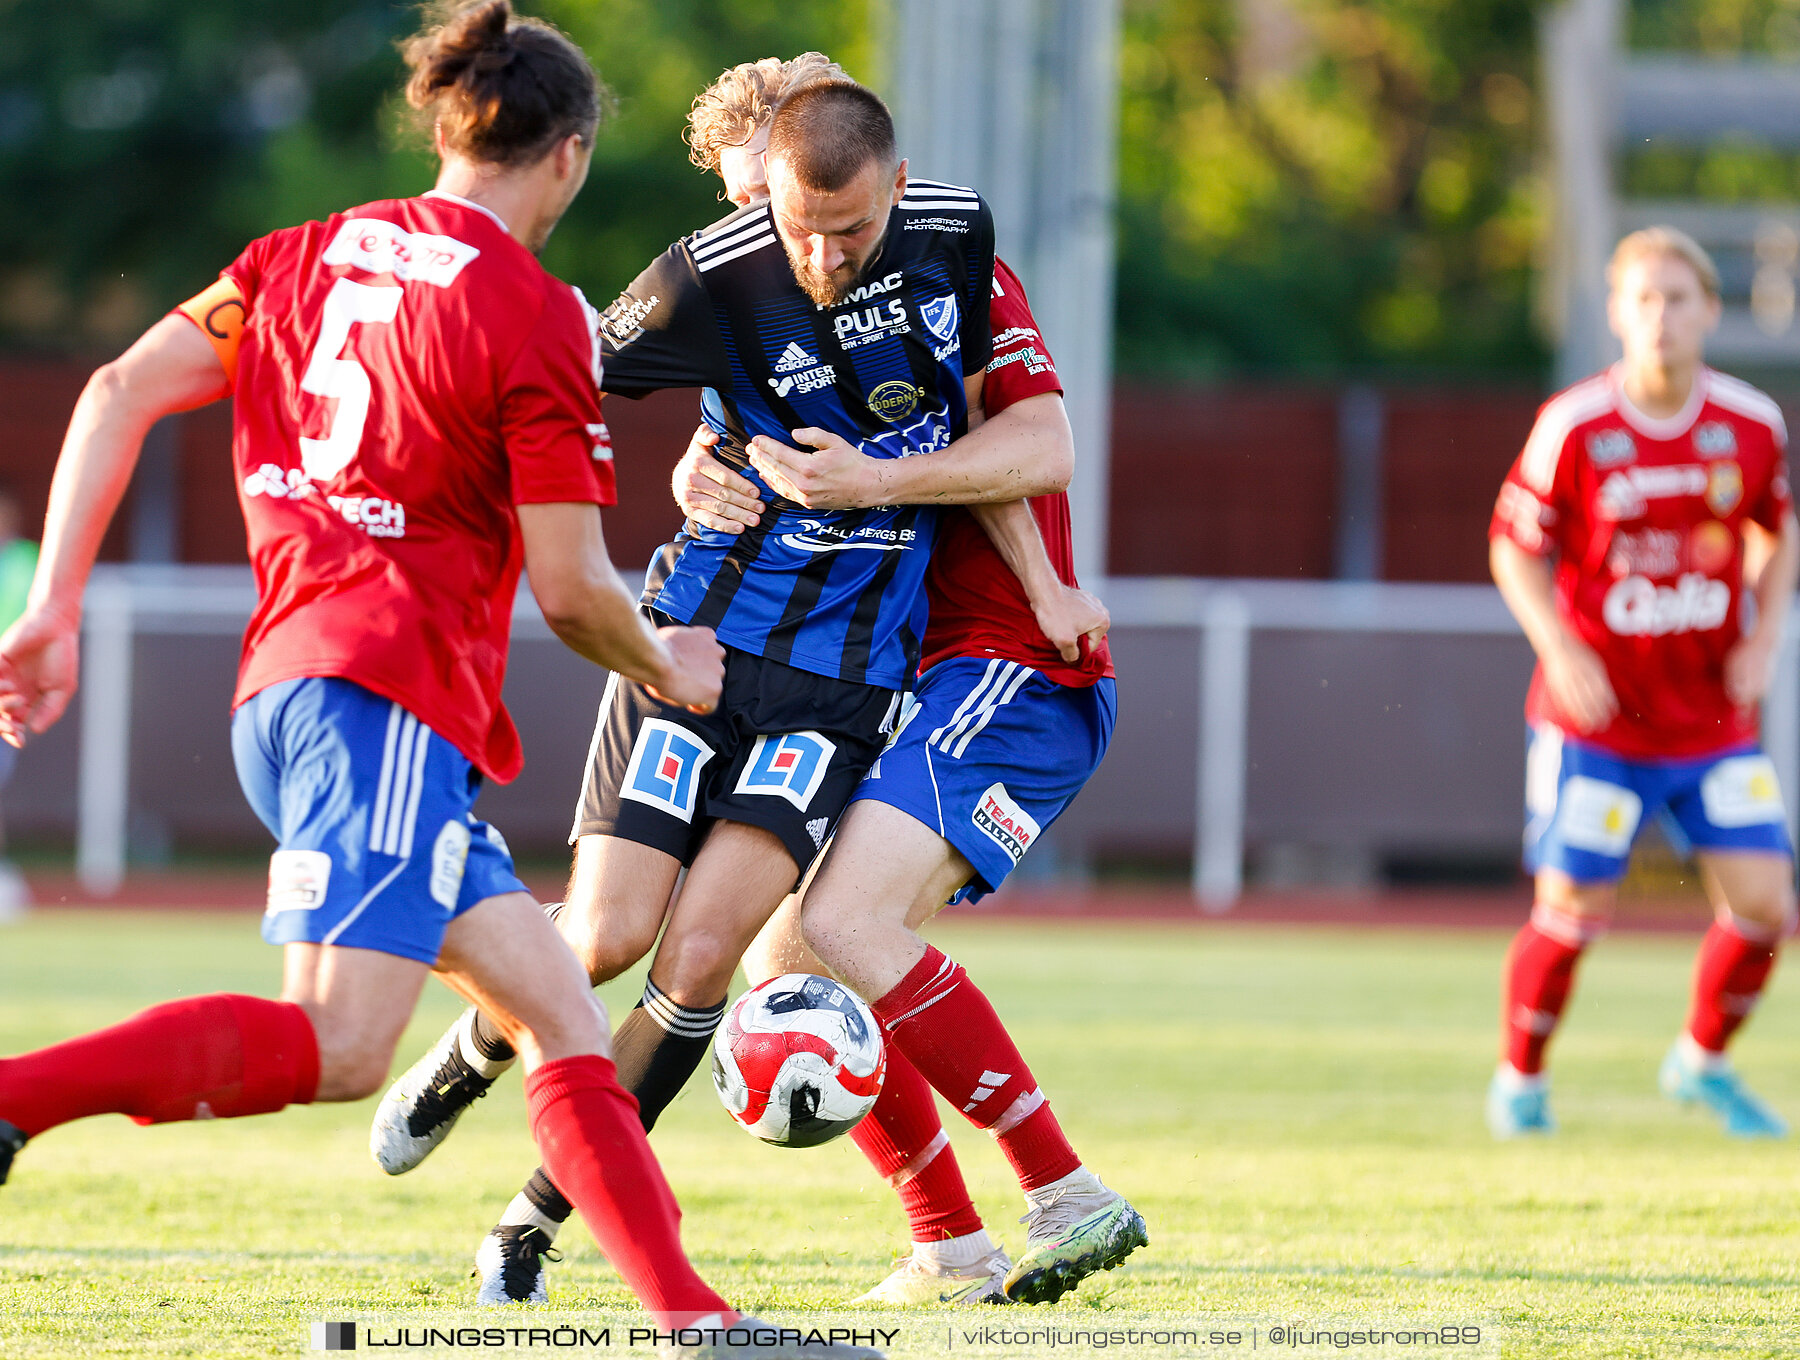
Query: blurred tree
{"x": 1326, "y": 187}
{"x": 143, "y": 142}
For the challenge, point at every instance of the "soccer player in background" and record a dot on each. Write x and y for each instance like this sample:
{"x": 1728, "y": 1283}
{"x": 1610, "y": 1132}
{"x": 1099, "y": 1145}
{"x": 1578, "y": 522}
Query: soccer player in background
{"x": 1645, "y": 500}
{"x": 511, "y": 1260}
{"x": 387, "y": 532}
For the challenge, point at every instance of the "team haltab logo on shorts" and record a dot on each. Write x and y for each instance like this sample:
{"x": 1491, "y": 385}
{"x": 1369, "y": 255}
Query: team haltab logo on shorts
{"x": 1004, "y": 822}
{"x": 297, "y": 880}
{"x": 1742, "y": 791}
{"x": 449, "y": 854}
{"x": 665, "y": 768}
{"x": 789, "y": 766}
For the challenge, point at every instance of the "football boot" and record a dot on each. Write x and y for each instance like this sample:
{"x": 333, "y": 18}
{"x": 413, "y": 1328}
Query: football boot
{"x": 510, "y": 1265}
{"x": 918, "y": 1280}
{"x": 1072, "y": 1230}
{"x": 1516, "y": 1110}
{"x": 1721, "y": 1090}
{"x": 421, "y": 1108}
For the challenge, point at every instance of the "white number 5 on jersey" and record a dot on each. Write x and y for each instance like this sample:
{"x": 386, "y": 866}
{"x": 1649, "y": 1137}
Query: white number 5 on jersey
{"x": 329, "y": 376}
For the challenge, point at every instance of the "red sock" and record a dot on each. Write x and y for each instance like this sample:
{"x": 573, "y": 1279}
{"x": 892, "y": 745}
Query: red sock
{"x": 208, "y": 1057}
{"x": 1540, "y": 968}
{"x": 1729, "y": 974}
{"x": 904, "y": 1140}
{"x": 947, "y": 1028}
{"x": 593, "y": 1145}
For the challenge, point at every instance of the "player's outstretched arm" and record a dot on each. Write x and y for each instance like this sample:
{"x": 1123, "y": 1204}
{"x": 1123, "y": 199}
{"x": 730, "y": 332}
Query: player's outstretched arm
{"x": 1771, "y": 569}
{"x": 588, "y": 607}
{"x": 171, "y": 368}
{"x": 1026, "y": 450}
{"x": 1066, "y": 614}
{"x": 1573, "y": 670}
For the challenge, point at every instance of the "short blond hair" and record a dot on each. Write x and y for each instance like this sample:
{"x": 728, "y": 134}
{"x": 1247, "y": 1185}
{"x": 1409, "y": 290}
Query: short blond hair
{"x": 1664, "y": 241}
{"x": 730, "y": 110}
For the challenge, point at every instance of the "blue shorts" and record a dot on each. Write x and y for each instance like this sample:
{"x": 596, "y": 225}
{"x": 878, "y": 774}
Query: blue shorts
{"x": 1584, "y": 806}
{"x": 371, "y": 808}
{"x": 988, "y": 755}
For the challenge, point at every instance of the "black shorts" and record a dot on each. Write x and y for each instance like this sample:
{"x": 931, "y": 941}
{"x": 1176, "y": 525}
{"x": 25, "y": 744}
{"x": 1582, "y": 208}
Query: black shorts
{"x": 784, "y": 750}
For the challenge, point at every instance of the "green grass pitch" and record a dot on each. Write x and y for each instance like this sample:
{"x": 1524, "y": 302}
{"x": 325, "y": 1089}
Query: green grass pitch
{"x": 1295, "y": 1110}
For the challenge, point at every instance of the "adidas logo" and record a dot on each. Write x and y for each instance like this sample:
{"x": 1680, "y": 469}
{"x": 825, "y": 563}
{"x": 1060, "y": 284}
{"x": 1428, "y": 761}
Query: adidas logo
{"x": 793, "y": 358}
{"x": 816, "y": 829}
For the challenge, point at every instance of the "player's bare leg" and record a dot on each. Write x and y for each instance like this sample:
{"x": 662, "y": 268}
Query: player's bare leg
{"x": 953, "y": 1260}
{"x": 330, "y": 1037}
{"x": 1753, "y": 908}
{"x": 738, "y": 877}
{"x": 1536, "y": 980}
{"x": 884, "y": 876}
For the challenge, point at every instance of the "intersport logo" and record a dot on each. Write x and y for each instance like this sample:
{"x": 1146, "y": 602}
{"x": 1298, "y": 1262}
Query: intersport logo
{"x": 1638, "y": 607}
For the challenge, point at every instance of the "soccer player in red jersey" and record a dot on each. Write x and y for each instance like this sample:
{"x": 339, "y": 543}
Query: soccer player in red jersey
{"x": 417, "y": 419}
{"x": 1005, "y": 727}
{"x": 1646, "y": 499}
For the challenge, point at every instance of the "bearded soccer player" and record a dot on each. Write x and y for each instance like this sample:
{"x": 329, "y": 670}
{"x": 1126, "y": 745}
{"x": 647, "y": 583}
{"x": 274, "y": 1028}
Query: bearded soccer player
{"x": 1006, "y": 727}
{"x": 397, "y": 466}
{"x": 1646, "y": 499}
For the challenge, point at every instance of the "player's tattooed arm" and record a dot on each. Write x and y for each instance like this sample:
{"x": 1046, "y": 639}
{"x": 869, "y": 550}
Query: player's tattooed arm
{"x": 1771, "y": 570}
{"x": 1573, "y": 670}
{"x": 172, "y": 367}
{"x": 1067, "y": 615}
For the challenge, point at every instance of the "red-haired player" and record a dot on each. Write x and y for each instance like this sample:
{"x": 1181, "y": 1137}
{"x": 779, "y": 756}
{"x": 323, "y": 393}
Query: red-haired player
{"x": 1645, "y": 500}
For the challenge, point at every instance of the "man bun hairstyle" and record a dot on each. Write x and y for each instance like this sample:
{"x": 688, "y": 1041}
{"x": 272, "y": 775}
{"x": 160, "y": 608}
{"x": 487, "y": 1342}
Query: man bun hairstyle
{"x": 505, "y": 89}
{"x": 827, "y": 132}
{"x": 730, "y": 110}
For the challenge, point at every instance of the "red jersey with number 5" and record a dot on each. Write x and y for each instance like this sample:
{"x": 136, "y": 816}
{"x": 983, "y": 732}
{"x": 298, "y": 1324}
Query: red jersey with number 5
{"x": 1645, "y": 519}
{"x": 408, "y": 373}
{"x": 978, "y": 607}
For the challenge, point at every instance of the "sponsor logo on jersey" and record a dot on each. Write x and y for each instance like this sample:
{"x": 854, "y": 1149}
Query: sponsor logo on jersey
{"x": 1638, "y": 607}
{"x": 665, "y": 768}
{"x": 816, "y": 536}
{"x": 894, "y": 401}
{"x": 791, "y": 766}
{"x": 1715, "y": 439}
{"x": 1592, "y": 814}
{"x": 1034, "y": 359}
{"x": 380, "y": 247}
{"x": 298, "y": 880}
{"x": 793, "y": 359}
{"x": 1742, "y": 791}
{"x": 602, "y": 437}
{"x": 874, "y": 288}
{"x": 940, "y": 316}
{"x": 1724, "y": 487}
{"x": 623, "y": 322}
{"x": 1710, "y": 547}
{"x": 1624, "y": 493}
{"x": 1004, "y": 822}
{"x": 269, "y": 480}
{"x": 854, "y": 329}
{"x": 376, "y": 517}
{"x": 1644, "y": 552}
{"x": 1610, "y": 448}
{"x": 811, "y": 380}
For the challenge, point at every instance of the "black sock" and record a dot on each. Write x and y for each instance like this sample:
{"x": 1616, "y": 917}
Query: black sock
{"x": 489, "y": 1041}
{"x": 653, "y": 1062}
{"x": 657, "y": 1047}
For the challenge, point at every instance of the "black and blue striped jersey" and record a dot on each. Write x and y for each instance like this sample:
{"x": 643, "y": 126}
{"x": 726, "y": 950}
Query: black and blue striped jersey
{"x": 837, "y": 593}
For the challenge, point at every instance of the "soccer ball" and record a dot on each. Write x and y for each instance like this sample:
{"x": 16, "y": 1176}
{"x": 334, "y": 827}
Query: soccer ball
{"x": 798, "y": 1060}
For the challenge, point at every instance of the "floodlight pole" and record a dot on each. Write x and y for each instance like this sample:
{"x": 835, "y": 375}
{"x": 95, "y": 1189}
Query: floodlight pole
{"x": 1019, "y": 99}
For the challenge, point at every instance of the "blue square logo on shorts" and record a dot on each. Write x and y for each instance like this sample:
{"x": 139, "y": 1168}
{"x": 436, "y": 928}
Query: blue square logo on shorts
{"x": 790, "y": 766}
{"x": 665, "y": 768}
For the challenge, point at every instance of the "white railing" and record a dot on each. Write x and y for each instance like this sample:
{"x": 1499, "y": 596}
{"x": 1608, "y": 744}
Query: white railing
{"x": 123, "y": 602}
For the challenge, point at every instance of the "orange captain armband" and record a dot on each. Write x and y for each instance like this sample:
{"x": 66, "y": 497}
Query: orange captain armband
{"x": 220, "y": 313}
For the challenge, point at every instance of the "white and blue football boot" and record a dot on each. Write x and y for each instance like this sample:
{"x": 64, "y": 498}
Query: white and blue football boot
{"x": 1690, "y": 1079}
{"x": 1518, "y": 1106}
